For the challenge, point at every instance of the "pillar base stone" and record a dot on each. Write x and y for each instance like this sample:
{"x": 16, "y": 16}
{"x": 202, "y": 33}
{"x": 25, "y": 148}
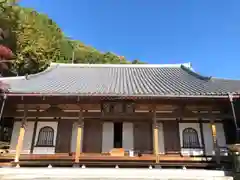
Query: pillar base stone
{"x": 76, "y": 165}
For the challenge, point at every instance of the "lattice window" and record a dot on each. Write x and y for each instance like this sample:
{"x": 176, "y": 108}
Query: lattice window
{"x": 190, "y": 138}
{"x": 106, "y": 107}
{"x": 111, "y": 107}
{"x": 129, "y": 108}
{"x": 45, "y": 136}
{"x": 117, "y": 107}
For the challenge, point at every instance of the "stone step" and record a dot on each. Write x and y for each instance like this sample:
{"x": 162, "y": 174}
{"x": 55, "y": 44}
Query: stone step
{"x": 110, "y": 174}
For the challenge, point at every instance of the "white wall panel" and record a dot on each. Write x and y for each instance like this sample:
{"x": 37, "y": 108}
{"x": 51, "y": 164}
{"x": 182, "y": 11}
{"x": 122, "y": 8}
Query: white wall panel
{"x": 45, "y": 150}
{"x": 188, "y": 151}
{"x": 128, "y": 138}
{"x": 74, "y": 137}
{"x": 27, "y": 137}
{"x": 107, "y": 136}
{"x": 161, "y": 146}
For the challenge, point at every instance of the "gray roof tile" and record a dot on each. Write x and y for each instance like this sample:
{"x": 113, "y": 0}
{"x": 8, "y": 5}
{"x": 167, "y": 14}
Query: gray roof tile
{"x": 120, "y": 80}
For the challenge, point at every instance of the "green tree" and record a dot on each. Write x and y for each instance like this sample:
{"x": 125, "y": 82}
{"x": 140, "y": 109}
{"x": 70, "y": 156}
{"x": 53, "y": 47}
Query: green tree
{"x": 136, "y": 61}
{"x": 9, "y": 12}
{"x": 110, "y": 58}
{"x": 38, "y": 42}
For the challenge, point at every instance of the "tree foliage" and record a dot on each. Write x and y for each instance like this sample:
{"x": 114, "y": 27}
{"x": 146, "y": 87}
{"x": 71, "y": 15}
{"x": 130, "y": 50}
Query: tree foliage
{"x": 36, "y": 41}
{"x": 8, "y": 21}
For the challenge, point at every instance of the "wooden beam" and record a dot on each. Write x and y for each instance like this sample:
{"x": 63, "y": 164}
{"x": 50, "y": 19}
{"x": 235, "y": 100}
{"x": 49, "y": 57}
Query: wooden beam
{"x": 79, "y": 136}
{"x": 83, "y": 100}
{"x": 34, "y": 133}
{"x": 21, "y": 136}
{"x": 136, "y": 115}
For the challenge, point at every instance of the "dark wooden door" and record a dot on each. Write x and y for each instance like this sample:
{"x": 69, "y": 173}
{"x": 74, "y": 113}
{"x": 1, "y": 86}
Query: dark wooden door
{"x": 92, "y": 136}
{"x": 171, "y": 137}
{"x": 229, "y": 130}
{"x": 64, "y": 135}
{"x": 143, "y": 137}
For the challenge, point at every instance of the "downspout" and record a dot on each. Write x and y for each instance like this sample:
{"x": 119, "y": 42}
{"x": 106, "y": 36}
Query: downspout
{"x": 1, "y": 113}
{"x": 3, "y": 105}
{"x": 234, "y": 116}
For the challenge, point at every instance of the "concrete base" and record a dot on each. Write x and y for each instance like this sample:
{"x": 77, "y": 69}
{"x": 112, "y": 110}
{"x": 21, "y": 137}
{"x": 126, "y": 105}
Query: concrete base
{"x": 158, "y": 167}
{"x": 110, "y": 173}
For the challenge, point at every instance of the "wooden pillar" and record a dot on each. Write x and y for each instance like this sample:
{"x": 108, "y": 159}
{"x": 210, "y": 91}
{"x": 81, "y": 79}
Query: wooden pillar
{"x": 215, "y": 143}
{"x": 21, "y": 135}
{"x": 79, "y": 136}
{"x": 34, "y": 132}
{"x": 155, "y": 136}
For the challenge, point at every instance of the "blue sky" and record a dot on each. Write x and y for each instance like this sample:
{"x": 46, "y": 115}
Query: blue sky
{"x": 203, "y": 32}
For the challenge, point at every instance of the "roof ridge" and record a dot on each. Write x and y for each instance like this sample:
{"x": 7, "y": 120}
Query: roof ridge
{"x": 123, "y": 65}
{"x": 225, "y": 79}
{"x": 193, "y": 73}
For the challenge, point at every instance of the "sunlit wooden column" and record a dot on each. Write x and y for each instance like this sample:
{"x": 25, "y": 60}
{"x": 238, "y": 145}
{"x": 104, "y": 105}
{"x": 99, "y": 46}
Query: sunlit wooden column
{"x": 79, "y": 136}
{"x": 155, "y": 136}
{"x": 21, "y": 135}
{"x": 215, "y": 143}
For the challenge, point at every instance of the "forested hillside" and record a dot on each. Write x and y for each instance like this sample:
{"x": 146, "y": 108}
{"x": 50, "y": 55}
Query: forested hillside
{"x": 33, "y": 40}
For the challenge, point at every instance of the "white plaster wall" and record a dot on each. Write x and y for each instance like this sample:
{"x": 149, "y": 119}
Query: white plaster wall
{"x": 128, "y": 142}
{"x": 161, "y": 147}
{"x": 207, "y": 134}
{"x": 45, "y": 150}
{"x": 221, "y": 135}
{"x": 107, "y": 136}
{"x": 27, "y": 137}
{"x": 208, "y": 139}
{"x": 187, "y": 151}
{"x": 15, "y": 134}
{"x": 74, "y": 137}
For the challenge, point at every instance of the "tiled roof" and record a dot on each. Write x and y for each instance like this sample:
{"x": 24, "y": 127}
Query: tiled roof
{"x": 121, "y": 80}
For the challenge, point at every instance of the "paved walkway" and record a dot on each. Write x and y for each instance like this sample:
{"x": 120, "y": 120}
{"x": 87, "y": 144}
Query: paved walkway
{"x": 109, "y": 174}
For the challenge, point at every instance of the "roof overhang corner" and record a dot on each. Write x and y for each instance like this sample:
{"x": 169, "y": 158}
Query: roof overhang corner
{"x": 233, "y": 95}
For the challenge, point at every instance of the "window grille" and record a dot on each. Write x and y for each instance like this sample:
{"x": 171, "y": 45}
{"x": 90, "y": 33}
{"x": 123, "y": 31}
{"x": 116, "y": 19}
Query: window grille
{"x": 45, "y": 136}
{"x": 190, "y": 138}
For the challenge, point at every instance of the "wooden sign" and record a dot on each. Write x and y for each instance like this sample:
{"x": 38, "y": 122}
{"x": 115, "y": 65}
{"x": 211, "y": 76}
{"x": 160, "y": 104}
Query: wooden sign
{"x": 117, "y": 152}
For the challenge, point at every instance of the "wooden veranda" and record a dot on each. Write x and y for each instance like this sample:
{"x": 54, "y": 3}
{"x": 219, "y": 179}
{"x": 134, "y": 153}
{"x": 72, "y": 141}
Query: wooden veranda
{"x": 105, "y": 160}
